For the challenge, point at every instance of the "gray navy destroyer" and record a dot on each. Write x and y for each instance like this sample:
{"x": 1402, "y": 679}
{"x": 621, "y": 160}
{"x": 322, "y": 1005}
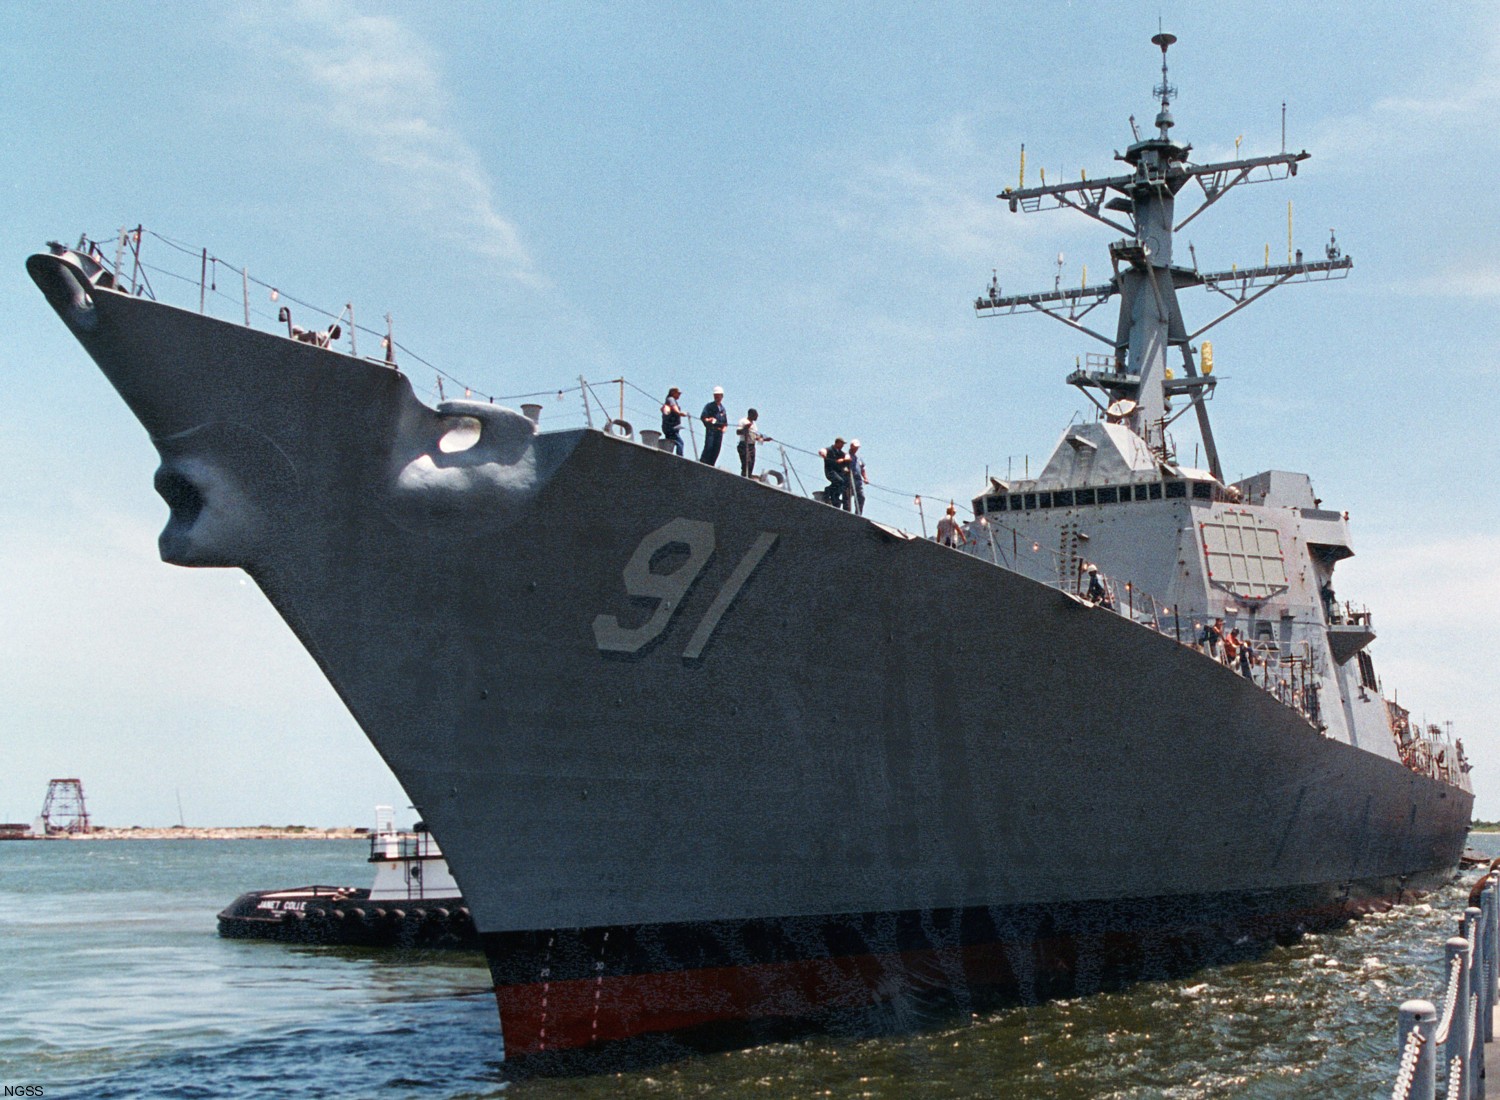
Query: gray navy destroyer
{"x": 680, "y": 816}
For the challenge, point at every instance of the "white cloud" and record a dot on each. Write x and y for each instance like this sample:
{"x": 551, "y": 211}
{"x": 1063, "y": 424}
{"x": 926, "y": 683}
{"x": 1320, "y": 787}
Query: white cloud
{"x": 946, "y": 207}
{"x": 1433, "y": 611}
{"x": 380, "y": 87}
{"x": 1434, "y": 615}
{"x": 1483, "y": 284}
{"x": 1460, "y": 105}
{"x": 1424, "y": 585}
{"x": 942, "y": 215}
{"x": 1407, "y": 125}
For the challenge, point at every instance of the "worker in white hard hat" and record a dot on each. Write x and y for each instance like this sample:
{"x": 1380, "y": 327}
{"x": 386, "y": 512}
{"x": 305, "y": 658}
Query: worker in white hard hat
{"x": 858, "y": 478}
{"x": 715, "y": 420}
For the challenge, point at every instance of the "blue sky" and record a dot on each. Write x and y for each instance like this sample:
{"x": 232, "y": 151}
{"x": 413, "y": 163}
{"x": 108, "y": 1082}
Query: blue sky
{"x": 793, "y": 201}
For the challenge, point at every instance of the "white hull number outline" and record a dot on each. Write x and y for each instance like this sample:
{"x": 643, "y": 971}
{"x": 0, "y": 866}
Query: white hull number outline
{"x": 670, "y": 590}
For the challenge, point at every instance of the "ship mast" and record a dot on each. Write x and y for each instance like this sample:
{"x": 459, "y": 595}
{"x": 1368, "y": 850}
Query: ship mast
{"x": 1135, "y": 379}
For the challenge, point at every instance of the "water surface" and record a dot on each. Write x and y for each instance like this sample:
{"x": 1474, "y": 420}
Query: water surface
{"x": 116, "y": 984}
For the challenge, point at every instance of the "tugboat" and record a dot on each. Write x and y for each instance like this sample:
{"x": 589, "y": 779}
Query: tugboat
{"x": 413, "y": 902}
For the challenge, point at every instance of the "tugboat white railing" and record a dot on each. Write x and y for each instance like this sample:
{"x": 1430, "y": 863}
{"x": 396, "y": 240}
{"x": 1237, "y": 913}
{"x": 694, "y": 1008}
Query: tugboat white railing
{"x": 1455, "y": 1039}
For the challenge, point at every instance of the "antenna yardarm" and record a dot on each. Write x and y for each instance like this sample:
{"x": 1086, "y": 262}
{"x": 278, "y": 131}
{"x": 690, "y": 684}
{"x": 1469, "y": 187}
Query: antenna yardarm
{"x": 1141, "y": 206}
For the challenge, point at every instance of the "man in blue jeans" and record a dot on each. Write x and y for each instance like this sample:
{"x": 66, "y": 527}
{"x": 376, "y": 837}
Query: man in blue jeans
{"x": 858, "y": 479}
{"x": 671, "y": 419}
{"x": 836, "y": 470}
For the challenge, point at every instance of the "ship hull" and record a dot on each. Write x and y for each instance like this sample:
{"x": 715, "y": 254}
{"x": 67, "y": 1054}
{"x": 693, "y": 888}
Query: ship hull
{"x": 723, "y": 748}
{"x": 719, "y": 984}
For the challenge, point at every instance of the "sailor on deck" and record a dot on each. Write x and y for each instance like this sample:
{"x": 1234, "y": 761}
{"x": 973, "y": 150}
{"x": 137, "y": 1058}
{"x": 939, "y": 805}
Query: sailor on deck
{"x": 858, "y": 478}
{"x": 749, "y": 437}
{"x": 950, "y": 532}
{"x": 836, "y": 470}
{"x": 671, "y": 419}
{"x": 715, "y": 420}
{"x": 1212, "y": 639}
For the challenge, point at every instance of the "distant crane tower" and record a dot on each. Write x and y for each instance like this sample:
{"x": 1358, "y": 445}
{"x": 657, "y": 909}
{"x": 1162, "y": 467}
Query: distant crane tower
{"x": 64, "y": 811}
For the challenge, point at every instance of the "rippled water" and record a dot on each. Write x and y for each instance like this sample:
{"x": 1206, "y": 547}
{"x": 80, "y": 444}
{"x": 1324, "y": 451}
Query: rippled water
{"x": 115, "y": 984}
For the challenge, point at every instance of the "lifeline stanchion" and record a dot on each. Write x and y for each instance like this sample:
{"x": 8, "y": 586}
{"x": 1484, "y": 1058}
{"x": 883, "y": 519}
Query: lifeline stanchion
{"x": 1417, "y": 1077}
{"x": 1457, "y": 952}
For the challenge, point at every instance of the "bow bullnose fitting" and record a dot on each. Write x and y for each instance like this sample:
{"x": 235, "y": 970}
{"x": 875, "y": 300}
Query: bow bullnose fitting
{"x": 66, "y": 289}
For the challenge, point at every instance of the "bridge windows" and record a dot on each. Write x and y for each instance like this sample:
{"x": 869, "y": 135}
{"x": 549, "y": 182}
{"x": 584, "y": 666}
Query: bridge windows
{"x": 1106, "y": 494}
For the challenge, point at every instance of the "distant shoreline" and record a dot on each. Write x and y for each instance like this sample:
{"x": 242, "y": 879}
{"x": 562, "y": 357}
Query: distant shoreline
{"x": 244, "y": 832}
{"x": 295, "y": 832}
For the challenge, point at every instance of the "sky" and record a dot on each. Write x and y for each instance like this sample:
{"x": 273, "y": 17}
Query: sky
{"x": 793, "y": 201}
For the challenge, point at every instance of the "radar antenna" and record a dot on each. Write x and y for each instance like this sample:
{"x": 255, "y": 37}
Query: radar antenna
{"x": 1141, "y": 205}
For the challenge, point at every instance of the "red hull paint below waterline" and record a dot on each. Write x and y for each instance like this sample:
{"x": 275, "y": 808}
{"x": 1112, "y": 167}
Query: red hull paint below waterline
{"x": 588, "y": 1012}
{"x": 589, "y": 1018}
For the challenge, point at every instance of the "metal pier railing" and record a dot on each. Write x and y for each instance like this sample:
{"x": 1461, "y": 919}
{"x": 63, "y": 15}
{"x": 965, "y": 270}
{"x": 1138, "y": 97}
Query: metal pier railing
{"x": 1456, "y": 1038}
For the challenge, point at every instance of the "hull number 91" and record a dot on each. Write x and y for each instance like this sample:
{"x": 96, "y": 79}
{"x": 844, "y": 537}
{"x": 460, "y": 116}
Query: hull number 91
{"x": 671, "y": 590}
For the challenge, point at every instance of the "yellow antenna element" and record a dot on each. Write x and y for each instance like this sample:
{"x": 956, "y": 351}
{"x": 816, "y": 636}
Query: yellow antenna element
{"x": 1289, "y": 231}
{"x": 1043, "y": 173}
{"x": 1268, "y": 253}
{"x": 1084, "y": 176}
{"x": 1237, "y": 144}
{"x": 1170, "y": 374}
{"x": 1085, "y": 277}
{"x": 1023, "y": 165}
{"x": 1233, "y": 268}
{"x": 1206, "y": 358}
